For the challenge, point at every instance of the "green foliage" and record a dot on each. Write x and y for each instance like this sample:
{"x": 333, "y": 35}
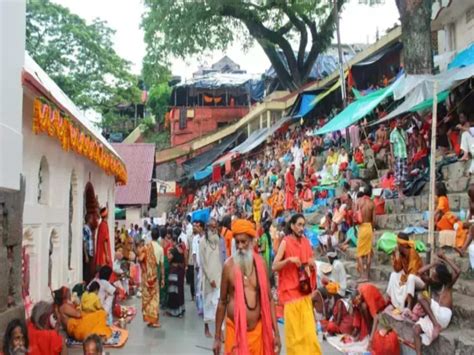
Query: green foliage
{"x": 184, "y": 28}
{"x": 150, "y": 134}
{"x": 80, "y": 58}
{"x": 158, "y": 100}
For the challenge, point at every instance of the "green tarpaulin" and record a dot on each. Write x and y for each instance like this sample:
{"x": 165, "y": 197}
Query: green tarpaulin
{"x": 428, "y": 104}
{"x": 119, "y": 213}
{"x": 357, "y": 110}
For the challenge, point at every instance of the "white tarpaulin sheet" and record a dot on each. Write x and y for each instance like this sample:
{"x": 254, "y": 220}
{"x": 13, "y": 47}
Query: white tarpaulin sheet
{"x": 418, "y": 88}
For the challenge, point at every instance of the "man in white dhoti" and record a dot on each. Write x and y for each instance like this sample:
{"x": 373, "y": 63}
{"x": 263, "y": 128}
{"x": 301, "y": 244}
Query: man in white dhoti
{"x": 438, "y": 309}
{"x": 211, "y": 267}
{"x": 404, "y": 280}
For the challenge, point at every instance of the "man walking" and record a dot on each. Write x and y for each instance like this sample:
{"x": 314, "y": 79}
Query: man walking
{"x": 293, "y": 264}
{"x": 211, "y": 267}
{"x": 245, "y": 301}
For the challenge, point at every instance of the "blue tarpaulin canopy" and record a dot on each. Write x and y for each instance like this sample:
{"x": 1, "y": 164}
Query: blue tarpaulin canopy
{"x": 309, "y": 101}
{"x": 464, "y": 58}
{"x": 357, "y": 110}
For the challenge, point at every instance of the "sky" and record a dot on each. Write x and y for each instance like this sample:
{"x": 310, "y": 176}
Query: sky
{"x": 359, "y": 24}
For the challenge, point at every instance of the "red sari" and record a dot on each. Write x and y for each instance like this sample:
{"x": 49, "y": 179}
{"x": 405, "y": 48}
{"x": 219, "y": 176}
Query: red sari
{"x": 103, "y": 239}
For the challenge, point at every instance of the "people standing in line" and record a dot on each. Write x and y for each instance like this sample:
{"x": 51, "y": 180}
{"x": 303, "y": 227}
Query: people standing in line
{"x": 245, "y": 301}
{"x": 151, "y": 258}
{"x": 398, "y": 153}
{"x": 211, "y": 266}
{"x": 296, "y": 280}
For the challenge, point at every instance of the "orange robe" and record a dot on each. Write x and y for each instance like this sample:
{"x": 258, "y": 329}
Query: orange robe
{"x": 228, "y": 236}
{"x": 290, "y": 189}
{"x": 103, "y": 239}
{"x": 44, "y": 341}
{"x": 260, "y": 340}
{"x": 448, "y": 220}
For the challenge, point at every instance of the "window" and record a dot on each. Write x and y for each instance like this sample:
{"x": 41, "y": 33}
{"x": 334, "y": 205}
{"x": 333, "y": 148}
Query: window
{"x": 43, "y": 182}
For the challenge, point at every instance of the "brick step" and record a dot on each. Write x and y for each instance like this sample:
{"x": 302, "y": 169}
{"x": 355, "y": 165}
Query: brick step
{"x": 457, "y": 201}
{"x": 380, "y": 259}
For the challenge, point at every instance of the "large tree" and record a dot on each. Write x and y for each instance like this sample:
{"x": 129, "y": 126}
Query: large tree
{"x": 415, "y": 16}
{"x": 79, "y": 57}
{"x": 184, "y": 28}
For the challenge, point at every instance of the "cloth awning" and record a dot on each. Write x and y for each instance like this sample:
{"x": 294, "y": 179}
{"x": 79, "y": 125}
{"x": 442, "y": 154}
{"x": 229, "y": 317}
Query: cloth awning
{"x": 463, "y": 59}
{"x": 201, "y": 161}
{"x": 417, "y": 89}
{"x": 309, "y": 101}
{"x": 380, "y": 54}
{"x": 260, "y": 136}
{"x": 357, "y": 110}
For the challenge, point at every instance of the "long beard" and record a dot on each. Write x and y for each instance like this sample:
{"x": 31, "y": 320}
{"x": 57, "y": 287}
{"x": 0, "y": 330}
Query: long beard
{"x": 245, "y": 260}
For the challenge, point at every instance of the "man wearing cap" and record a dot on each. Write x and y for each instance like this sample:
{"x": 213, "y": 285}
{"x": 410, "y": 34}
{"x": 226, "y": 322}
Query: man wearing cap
{"x": 245, "y": 300}
{"x": 103, "y": 255}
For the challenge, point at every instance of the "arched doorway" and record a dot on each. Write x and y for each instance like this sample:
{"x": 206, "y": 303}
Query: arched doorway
{"x": 91, "y": 205}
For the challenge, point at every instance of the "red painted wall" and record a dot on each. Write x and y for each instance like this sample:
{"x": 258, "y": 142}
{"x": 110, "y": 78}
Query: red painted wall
{"x": 205, "y": 121}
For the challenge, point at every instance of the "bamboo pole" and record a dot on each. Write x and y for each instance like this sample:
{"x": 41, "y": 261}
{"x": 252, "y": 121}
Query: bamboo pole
{"x": 431, "y": 226}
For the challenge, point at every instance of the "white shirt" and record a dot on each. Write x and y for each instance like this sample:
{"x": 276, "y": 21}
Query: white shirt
{"x": 195, "y": 251}
{"x": 106, "y": 294}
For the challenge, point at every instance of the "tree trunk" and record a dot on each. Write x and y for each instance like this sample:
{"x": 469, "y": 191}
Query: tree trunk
{"x": 415, "y": 16}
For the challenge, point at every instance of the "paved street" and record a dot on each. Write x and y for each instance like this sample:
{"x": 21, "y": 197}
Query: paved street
{"x": 177, "y": 336}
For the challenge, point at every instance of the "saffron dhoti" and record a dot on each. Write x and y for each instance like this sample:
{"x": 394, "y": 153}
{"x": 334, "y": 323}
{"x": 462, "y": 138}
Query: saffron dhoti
{"x": 254, "y": 338}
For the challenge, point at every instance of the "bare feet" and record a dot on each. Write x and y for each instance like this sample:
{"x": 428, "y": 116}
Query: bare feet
{"x": 154, "y": 325}
{"x": 208, "y": 334}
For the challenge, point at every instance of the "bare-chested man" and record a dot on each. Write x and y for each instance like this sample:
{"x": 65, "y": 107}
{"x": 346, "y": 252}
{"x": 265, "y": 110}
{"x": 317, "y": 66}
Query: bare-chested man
{"x": 245, "y": 300}
{"x": 438, "y": 309}
{"x": 365, "y": 216}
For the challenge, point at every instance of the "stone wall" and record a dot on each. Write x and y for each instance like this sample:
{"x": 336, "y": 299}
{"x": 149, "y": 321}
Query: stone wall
{"x": 11, "y": 212}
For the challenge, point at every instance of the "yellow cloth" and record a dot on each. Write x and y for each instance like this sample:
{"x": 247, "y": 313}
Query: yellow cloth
{"x": 332, "y": 159}
{"x": 242, "y": 226}
{"x": 89, "y": 323}
{"x": 257, "y": 210}
{"x": 364, "y": 239}
{"x": 409, "y": 264}
{"x": 90, "y": 302}
{"x": 300, "y": 328}
{"x": 332, "y": 288}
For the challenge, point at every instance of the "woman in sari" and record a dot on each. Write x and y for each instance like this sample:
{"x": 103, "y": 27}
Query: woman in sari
{"x": 76, "y": 324}
{"x": 176, "y": 257}
{"x": 149, "y": 283}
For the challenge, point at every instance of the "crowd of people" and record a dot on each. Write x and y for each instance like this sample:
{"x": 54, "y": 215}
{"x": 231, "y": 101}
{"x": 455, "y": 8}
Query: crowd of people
{"x": 250, "y": 257}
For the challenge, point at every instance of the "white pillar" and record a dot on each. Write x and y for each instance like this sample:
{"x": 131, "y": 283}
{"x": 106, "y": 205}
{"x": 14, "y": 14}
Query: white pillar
{"x": 269, "y": 118}
{"x": 261, "y": 120}
{"x": 12, "y": 47}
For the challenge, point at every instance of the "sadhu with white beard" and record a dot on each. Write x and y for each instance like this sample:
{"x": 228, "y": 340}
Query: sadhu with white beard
{"x": 245, "y": 300}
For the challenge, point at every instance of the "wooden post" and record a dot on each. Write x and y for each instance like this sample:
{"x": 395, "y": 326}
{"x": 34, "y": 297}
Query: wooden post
{"x": 431, "y": 226}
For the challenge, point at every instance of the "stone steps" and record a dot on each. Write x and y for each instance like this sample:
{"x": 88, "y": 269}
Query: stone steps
{"x": 463, "y": 295}
{"x": 457, "y": 201}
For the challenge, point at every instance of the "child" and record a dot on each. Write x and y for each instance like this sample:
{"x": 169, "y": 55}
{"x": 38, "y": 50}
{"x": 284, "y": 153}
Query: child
{"x": 90, "y": 301}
